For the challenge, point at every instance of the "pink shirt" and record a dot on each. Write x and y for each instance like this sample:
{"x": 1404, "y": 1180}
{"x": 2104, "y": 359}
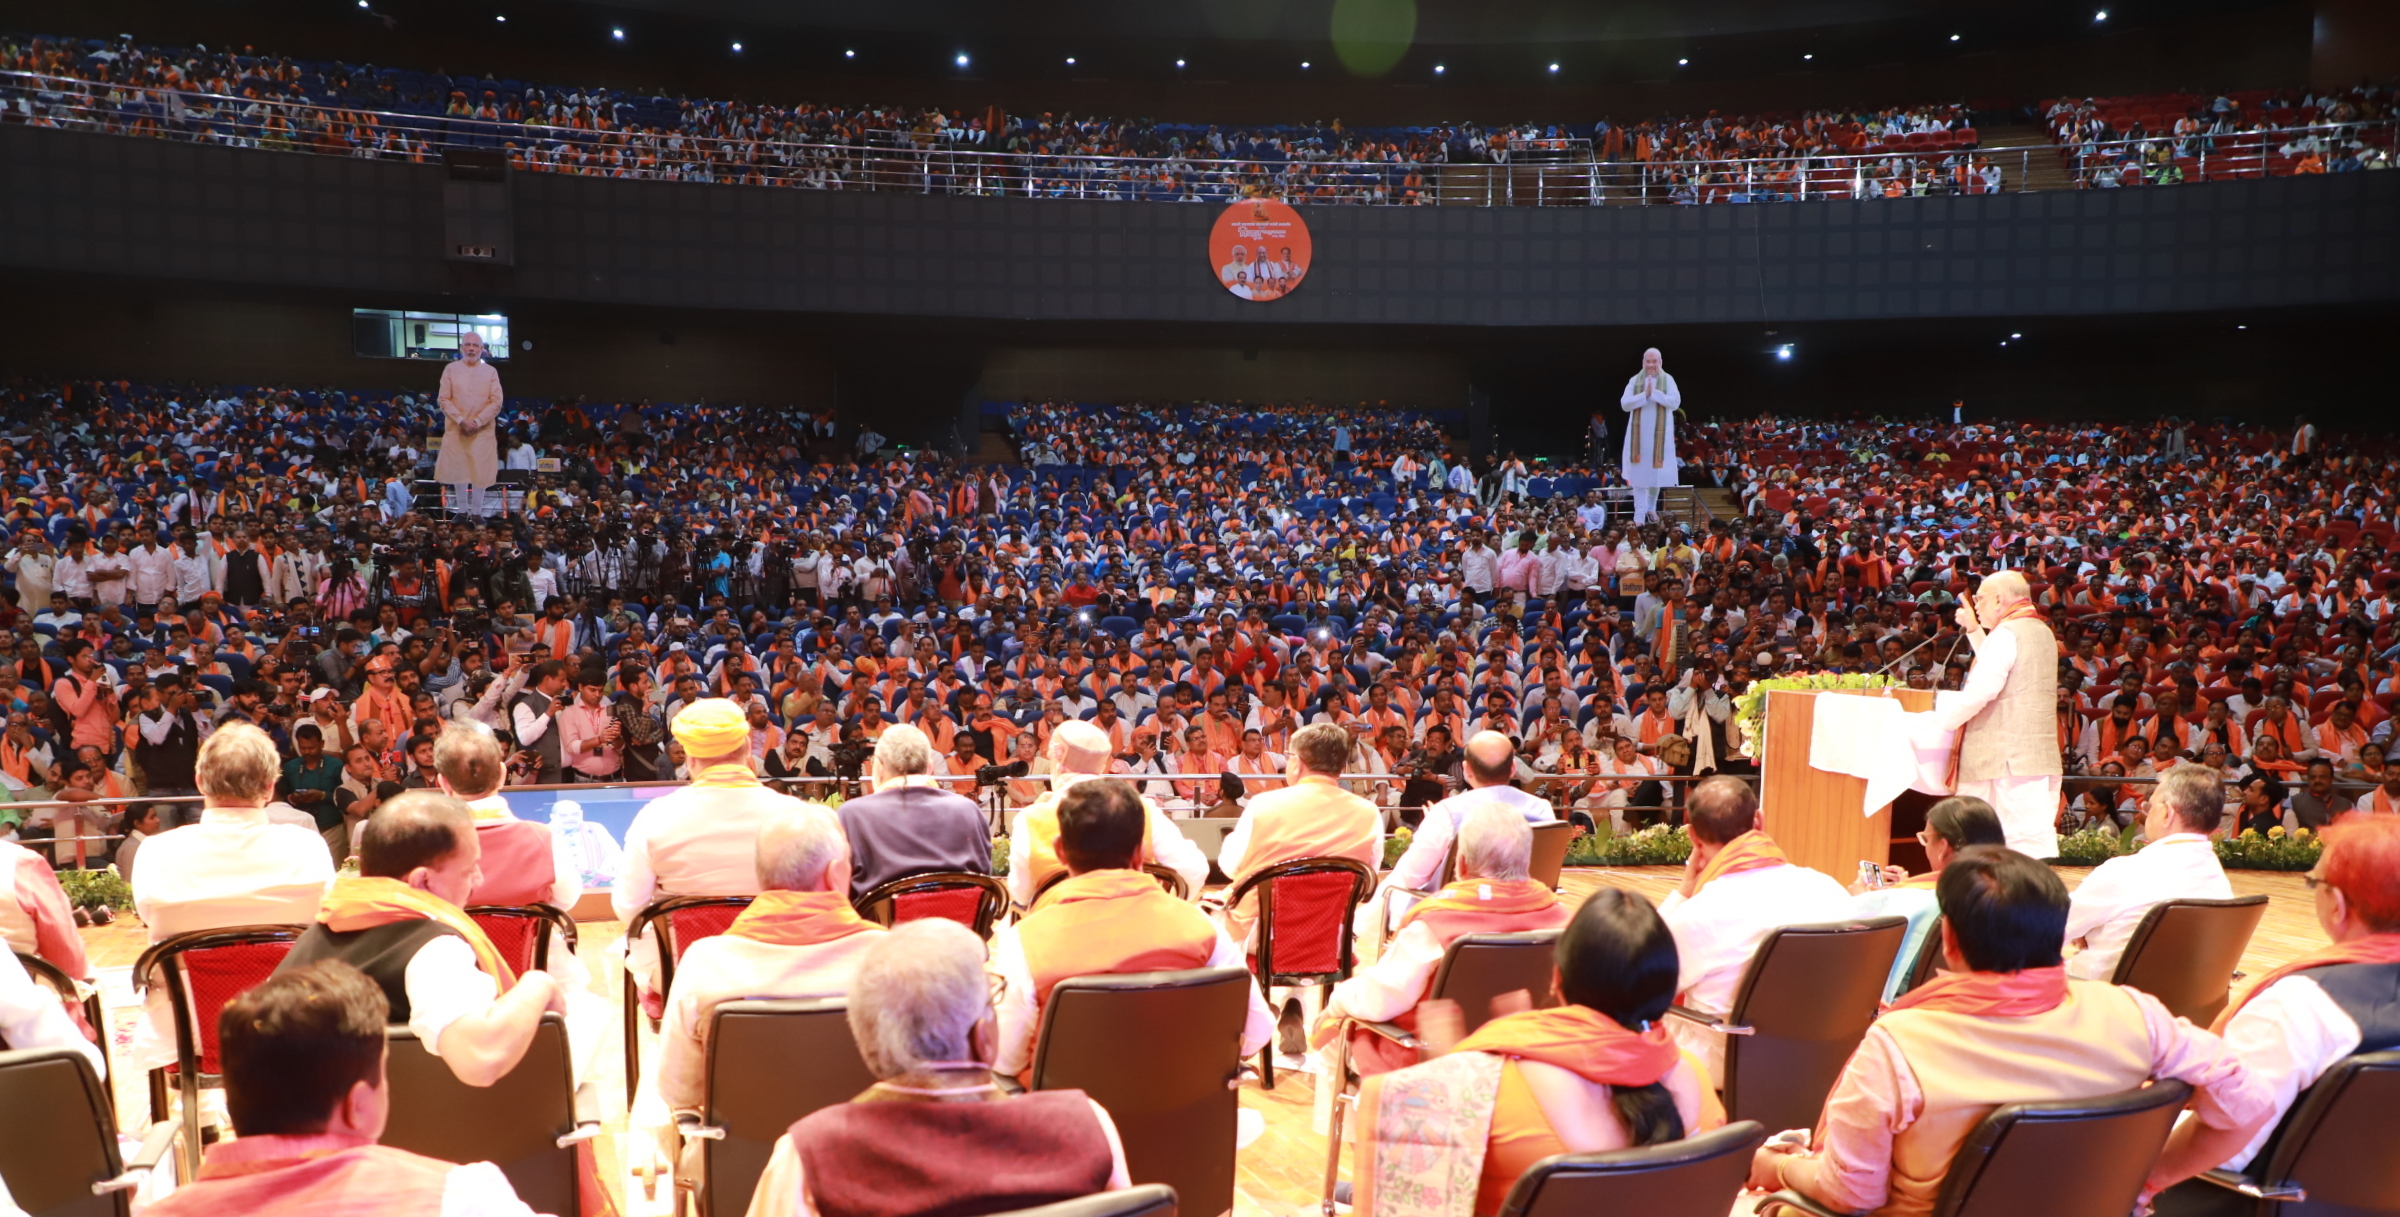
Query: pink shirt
{"x": 578, "y": 723}
{"x": 1516, "y": 570}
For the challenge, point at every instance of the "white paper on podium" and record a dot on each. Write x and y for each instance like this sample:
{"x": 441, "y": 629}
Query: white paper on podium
{"x": 1864, "y": 737}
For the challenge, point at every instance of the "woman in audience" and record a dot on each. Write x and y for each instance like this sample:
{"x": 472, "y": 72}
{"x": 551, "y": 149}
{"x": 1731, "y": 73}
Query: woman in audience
{"x": 1950, "y": 825}
{"x": 1594, "y": 1073}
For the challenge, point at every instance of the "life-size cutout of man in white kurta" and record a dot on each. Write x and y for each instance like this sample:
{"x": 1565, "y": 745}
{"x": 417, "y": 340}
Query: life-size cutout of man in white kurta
{"x": 1652, "y": 399}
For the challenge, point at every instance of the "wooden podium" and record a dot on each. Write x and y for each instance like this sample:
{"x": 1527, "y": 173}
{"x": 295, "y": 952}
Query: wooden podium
{"x": 1812, "y": 814}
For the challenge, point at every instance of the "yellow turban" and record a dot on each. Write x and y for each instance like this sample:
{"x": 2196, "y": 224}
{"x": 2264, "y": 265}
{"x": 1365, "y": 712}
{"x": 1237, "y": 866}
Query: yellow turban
{"x": 712, "y": 726}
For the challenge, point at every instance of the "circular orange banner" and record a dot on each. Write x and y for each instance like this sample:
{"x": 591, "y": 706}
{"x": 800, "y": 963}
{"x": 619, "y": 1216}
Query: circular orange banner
{"x": 1259, "y": 249}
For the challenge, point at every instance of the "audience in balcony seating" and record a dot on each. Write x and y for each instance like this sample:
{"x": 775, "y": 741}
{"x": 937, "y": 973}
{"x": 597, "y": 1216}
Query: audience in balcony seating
{"x": 935, "y": 1134}
{"x": 303, "y": 1056}
{"x": 2005, "y": 1025}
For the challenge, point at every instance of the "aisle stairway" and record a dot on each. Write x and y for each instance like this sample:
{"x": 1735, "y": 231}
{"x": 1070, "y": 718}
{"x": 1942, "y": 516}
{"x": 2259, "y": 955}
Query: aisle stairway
{"x": 2040, "y": 169}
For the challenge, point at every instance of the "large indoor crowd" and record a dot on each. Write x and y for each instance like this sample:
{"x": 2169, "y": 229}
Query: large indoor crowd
{"x": 264, "y": 101}
{"x": 273, "y": 668}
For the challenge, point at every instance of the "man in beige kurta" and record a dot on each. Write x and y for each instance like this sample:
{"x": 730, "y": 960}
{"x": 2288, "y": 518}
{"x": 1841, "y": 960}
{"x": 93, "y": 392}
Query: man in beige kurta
{"x": 470, "y": 397}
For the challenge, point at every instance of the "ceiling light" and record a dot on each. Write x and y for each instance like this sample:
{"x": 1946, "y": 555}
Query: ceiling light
{"x": 1681, "y": 63}
{"x": 1554, "y": 67}
{"x": 1810, "y": 55}
{"x": 962, "y": 59}
{"x": 1438, "y": 69}
{"x": 737, "y": 48}
{"x": 849, "y": 54}
{"x": 2102, "y": 15}
{"x": 1070, "y": 61}
{"x": 1953, "y": 37}
{"x": 2016, "y": 335}
{"x": 502, "y": 18}
{"x": 362, "y": 3}
{"x": 1179, "y": 63}
{"x": 1303, "y": 65}
{"x": 1784, "y": 351}
{"x": 618, "y": 33}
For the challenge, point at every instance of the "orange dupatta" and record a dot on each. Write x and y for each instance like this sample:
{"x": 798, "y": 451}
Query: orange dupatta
{"x": 1753, "y": 850}
{"x": 799, "y": 919}
{"x": 361, "y": 902}
{"x": 1989, "y": 994}
{"x": 1515, "y": 896}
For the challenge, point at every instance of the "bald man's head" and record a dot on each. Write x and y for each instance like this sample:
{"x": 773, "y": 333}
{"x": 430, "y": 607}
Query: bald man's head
{"x": 1079, "y": 747}
{"x": 1491, "y": 759}
{"x": 2004, "y": 588}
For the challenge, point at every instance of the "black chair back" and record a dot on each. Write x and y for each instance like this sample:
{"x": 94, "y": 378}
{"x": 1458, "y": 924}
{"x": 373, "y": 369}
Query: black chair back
{"x": 1929, "y": 957}
{"x": 1140, "y": 1200}
{"x": 55, "y": 979}
{"x": 1550, "y": 843}
{"x": 1808, "y": 997}
{"x": 769, "y": 1064}
{"x": 514, "y": 1123}
{"x": 2337, "y": 1142}
{"x": 58, "y": 1135}
{"x": 2185, "y": 951}
{"x": 1175, "y": 1110}
{"x": 2069, "y": 1158}
{"x": 1695, "y": 1177}
{"x": 1480, "y": 967}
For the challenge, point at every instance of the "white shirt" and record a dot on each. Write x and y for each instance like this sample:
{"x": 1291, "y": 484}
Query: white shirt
{"x": 1017, "y": 1015}
{"x": 1421, "y": 864}
{"x": 1719, "y": 929}
{"x": 1174, "y": 850}
{"x": 2287, "y": 1037}
{"x": 31, "y": 1017}
{"x": 444, "y": 986}
{"x": 232, "y": 868}
{"x": 153, "y": 572}
{"x": 2110, "y": 903}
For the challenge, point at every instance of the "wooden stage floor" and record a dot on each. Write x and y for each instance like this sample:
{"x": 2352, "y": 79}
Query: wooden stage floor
{"x": 1280, "y": 1173}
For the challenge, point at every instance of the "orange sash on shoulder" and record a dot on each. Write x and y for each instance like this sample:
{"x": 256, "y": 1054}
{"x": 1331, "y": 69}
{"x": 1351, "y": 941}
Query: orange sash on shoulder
{"x": 1989, "y": 994}
{"x": 360, "y": 902}
{"x": 1753, "y": 850}
{"x": 799, "y": 919}
{"x": 1467, "y": 896}
{"x": 1582, "y": 1041}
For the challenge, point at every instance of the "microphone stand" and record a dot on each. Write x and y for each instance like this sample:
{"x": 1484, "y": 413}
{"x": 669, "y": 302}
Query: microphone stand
{"x": 1960, "y": 637}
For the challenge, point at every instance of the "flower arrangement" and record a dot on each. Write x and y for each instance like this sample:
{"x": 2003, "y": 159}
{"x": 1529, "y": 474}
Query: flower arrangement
{"x": 1000, "y": 857}
{"x": 94, "y": 889}
{"x": 1657, "y": 845}
{"x": 2273, "y": 849}
{"x": 1750, "y": 706}
{"x": 1395, "y": 845}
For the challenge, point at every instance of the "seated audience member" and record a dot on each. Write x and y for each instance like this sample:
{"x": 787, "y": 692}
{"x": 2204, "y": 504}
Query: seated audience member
{"x": 2180, "y": 862}
{"x": 2005, "y": 1025}
{"x": 1492, "y": 895}
{"x": 1950, "y": 825}
{"x": 799, "y": 939}
{"x": 701, "y": 840}
{"x": 1595, "y": 1073}
{"x": 35, "y": 915}
{"x": 232, "y": 868}
{"x": 2302, "y": 1018}
{"x": 1080, "y": 751}
{"x": 303, "y": 1055}
{"x": 910, "y": 825}
{"x": 33, "y": 1015}
{"x": 1736, "y": 888}
{"x": 1311, "y": 818}
{"x": 934, "y": 1134}
{"x": 1491, "y": 762}
{"x": 1106, "y": 917}
{"x": 519, "y": 866}
{"x": 2316, "y": 803}
{"x": 399, "y": 921}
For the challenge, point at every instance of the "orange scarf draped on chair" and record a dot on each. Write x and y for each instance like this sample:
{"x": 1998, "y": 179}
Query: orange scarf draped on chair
{"x": 360, "y": 902}
{"x": 2375, "y": 948}
{"x": 1989, "y": 994}
{"x": 799, "y": 919}
{"x": 1753, "y": 850}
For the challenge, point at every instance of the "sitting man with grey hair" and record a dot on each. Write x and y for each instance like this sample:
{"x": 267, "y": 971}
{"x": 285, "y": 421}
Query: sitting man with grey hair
{"x": 1079, "y": 752}
{"x": 2180, "y": 862}
{"x": 935, "y": 1134}
{"x": 910, "y": 825}
{"x": 1491, "y": 761}
{"x": 1493, "y": 894}
{"x": 799, "y": 939}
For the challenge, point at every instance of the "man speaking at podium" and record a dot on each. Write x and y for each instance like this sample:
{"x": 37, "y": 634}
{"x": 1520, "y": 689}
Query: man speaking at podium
{"x": 2007, "y": 716}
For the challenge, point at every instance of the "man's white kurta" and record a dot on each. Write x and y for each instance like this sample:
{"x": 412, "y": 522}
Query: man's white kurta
{"x": 2028, "y": 806}
{"x": 1651, "y": 402}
